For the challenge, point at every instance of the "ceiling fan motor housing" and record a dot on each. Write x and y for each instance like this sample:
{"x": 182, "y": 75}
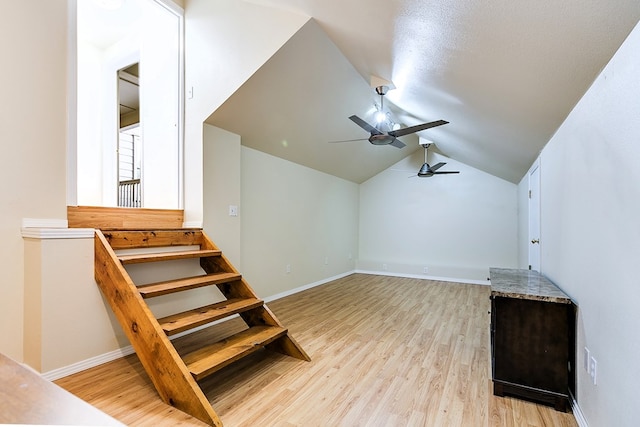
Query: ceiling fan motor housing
{"x": 425, "y": 171}
{"x": 382, "y": 90}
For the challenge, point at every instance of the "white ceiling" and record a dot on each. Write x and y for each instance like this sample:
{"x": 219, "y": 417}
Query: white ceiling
{"x": 504, "y": 73}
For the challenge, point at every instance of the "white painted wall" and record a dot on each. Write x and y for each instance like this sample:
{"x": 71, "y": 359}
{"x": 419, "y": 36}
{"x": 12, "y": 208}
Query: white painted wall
{"x": 456, "y": 225}
{"x": 89, "y": 128}
{"x": 160, "y": 92}
{"x": 33, "y": 137}
{"x": 591, "y": 233}
{"x": 66, "y": 319}
{"x": 216, "y": 31}
{"x": 293, "y": 215}
{"x": 154, "y": 41}
{"x": 221, "y": 184}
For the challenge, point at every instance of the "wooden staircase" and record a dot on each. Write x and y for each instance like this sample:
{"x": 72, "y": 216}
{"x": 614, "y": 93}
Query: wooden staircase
{"x": 175, "y": 377}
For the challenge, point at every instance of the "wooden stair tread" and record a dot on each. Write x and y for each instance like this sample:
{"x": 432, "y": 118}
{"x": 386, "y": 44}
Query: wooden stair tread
{"x": 193, "y": 318}
{"x": 175, "y": 377}
{"x": 167, "y": 256}
{"x": 178, "y": 285}
{"x": 209, "y": 359}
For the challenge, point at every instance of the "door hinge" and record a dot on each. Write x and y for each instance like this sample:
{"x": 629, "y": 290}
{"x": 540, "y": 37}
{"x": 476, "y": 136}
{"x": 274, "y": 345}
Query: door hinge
{"x": 529, "y": 193}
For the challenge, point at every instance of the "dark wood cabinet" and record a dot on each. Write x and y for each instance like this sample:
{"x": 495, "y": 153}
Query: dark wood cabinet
{"x": 532, "y": 341}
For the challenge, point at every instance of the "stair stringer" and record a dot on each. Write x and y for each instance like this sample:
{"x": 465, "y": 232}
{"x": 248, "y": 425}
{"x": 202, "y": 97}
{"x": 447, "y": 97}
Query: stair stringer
{"x": 161, "y": 361}
{"x": 286, "y": 345}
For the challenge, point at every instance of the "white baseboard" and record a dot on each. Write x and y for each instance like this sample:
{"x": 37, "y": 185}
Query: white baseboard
{"x": 305, "y": 287}
{"x": 87, "y": 364}
{"x": 425, "y": 277}
{"x": 577, "y": 412}
{"x": 192, "y": 224}
{"x": 125, "y": 351}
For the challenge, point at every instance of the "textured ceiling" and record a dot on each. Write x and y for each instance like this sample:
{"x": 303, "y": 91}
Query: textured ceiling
{"x": 504, "y": 73}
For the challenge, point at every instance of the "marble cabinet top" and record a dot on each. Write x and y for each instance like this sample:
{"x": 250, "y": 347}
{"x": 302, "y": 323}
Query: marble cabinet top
{"x": 525, "y": 284}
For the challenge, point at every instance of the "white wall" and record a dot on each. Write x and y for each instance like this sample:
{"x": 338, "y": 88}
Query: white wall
{"x": 160, "y": 103}
{"x": 89, "y": 119}
{"x": 152, "y": 39}
{"x": 293, "y": 215}
{"x": 33, "y": 133}
{"x": 66, "y": 320}
{"x": 458, "y": 226}
{"x": 216, "y": 31}
{"x": 591, "y": 233}
{"x": 221, "y": 184}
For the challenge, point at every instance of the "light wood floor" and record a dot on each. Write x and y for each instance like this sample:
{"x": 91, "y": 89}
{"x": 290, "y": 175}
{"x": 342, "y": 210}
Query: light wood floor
{"x": 385, "y": 351}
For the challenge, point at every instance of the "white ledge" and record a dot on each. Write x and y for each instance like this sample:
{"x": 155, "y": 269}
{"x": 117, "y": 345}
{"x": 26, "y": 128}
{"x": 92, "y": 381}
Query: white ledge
{"x": 57, "y": 233}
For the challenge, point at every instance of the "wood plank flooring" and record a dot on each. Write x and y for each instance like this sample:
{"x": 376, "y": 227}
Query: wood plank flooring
{"x": 385, "y": 351}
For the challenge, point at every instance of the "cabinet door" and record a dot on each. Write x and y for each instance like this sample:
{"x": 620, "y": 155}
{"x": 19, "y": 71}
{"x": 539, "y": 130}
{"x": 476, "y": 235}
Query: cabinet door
{"x": 531, "y": 345}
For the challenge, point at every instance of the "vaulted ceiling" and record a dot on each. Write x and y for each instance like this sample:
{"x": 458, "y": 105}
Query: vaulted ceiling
{"x": 504, "y": 73}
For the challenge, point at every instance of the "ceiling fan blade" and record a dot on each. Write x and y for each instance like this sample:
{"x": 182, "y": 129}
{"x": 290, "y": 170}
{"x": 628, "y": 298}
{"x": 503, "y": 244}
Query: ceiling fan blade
{"x": 397, "y": 143}
{"x": 437, "y": 166}
{"x": 348, "y": 140}
{"x": 364, "y": 125}
{"x": 443, "y": 172}
{"x": 417, "y": 128}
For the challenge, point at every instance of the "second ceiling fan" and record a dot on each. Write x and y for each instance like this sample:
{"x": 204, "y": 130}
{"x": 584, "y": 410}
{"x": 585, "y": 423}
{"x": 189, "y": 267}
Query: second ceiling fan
{"x": 379, "y": 137}
{"x": 427, "y": 171}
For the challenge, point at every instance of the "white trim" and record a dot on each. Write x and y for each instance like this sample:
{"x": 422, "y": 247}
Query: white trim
{"x": 114, "y": 355}
{"x": 87, "y": 363}
{"x": 173, "y": 7}
{"x": 125, "y": 351}
{"x": 44, "y": 223}
{"x": 57, "y": 233}
{"x": 577, "y": 412}
{"x": 192, "y": 224}
{"x": 308, "y": 286}
{"x": 425, "y": 277}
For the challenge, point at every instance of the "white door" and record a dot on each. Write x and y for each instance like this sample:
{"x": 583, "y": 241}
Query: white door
{"x": 534, "y": 216}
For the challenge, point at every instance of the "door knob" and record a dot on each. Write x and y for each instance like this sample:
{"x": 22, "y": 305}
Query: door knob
{"x": 535, "y": 241}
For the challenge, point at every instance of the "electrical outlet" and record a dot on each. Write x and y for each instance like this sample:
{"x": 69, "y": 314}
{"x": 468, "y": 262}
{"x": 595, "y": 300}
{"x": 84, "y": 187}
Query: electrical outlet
{"x": 288, "y": 268}
{"x": 326, "y": 260}
{"x": 384, "y": 267}
{"x": 425, "y": 270}
{"x": 593, "y": 370}
{"x": 586, "y": 360}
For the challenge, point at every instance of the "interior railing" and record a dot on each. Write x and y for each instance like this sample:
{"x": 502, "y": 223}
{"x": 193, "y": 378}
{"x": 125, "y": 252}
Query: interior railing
{"x": 130, "y": 193}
